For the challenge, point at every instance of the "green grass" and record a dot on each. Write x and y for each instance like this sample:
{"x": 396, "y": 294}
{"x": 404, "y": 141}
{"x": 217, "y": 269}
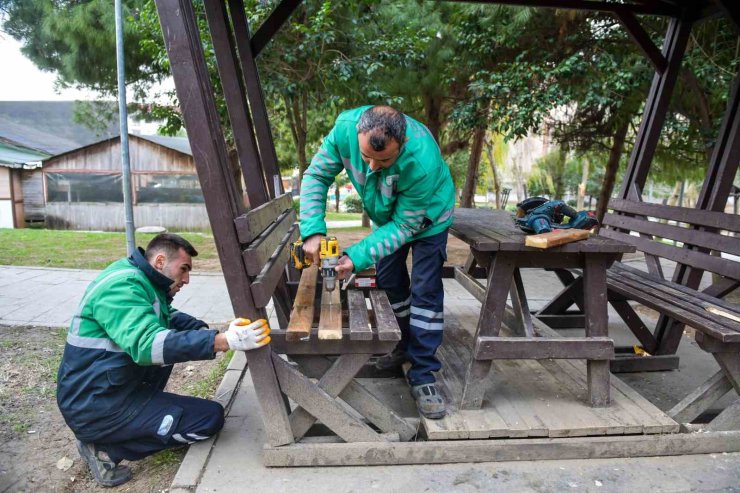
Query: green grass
{"x": 343, "y": 216}
{"x": 79, "y": 249}
{"x": 206, "y": 387}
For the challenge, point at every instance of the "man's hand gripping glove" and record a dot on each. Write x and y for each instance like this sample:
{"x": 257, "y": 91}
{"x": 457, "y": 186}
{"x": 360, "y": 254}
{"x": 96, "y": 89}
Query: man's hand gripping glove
{"x": 243, "y": 335}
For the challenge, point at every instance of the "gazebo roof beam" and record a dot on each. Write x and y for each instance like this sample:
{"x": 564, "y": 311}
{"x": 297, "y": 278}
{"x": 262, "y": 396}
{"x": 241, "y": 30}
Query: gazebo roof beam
{"x": 272, "y": 24}
{"x": 639, "y": 36}
{"x": 652, "y": 8}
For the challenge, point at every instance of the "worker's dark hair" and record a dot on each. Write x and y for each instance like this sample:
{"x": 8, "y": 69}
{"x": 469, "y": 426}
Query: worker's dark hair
{"x": 383, "y": 123}
{"x": 170, "y": 244}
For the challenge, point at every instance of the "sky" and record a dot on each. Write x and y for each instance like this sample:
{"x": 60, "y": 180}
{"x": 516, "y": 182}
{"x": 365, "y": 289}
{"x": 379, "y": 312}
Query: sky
{"x": 22, "y": 81}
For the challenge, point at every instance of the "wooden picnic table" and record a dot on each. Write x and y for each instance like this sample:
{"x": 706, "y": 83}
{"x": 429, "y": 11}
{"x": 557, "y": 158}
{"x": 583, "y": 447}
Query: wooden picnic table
{"x": 497, "y": 245}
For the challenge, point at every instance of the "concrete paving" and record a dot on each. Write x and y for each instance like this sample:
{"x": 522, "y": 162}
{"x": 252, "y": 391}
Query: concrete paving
{"x": 44, "y": 297}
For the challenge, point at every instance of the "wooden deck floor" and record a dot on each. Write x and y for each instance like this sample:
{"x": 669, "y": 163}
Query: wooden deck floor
{"x": 528, "y": 398}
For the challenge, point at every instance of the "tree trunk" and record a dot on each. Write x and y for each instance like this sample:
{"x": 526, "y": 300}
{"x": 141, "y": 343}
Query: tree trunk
{"x": 365, "y": 220}
{"x": 612, "y": 166}
{"x": 559, "y": 178}
{"x": 582, "y": 185}
{"x": 299, "y": 132}
{"x": 521, "y": 188}
{"x": 336, "y": 197}
{"x": 471, "y": 179}
{"x": 495, "y": 171}
{"x": 433, "y": 115}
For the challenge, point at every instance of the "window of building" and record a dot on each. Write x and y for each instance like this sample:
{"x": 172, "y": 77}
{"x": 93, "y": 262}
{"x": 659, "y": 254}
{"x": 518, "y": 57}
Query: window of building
{"x": 83, "y": 187}
{"x": 167, "y": 189}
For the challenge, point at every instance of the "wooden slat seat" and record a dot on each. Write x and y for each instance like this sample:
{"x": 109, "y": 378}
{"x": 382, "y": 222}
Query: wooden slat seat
{"x": 689, "y": 306}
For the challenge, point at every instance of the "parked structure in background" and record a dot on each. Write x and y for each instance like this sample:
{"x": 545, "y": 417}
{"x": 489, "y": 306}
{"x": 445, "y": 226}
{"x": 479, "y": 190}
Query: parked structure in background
{"x": 60, "y": 174}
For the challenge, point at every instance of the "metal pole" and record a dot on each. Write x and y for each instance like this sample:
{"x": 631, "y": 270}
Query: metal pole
{"x": 123, "y": 124}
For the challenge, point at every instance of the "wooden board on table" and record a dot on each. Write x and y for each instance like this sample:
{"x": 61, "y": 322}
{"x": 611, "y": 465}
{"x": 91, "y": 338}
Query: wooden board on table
{"x": 301, "y": 318}
{"x": 330, "y": 325}
{"x": 555, "y": 238}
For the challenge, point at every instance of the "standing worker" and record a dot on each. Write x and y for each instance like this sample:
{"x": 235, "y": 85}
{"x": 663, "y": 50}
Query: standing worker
{"x": 406, "y": 188}
{"x": 121, "y": 345}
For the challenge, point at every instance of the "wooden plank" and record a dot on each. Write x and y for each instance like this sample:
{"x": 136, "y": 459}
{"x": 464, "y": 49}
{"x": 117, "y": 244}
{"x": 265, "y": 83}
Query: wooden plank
{"x": 332, "y": 382}
{"x": 701, "y": 305}
{"x": 317, "y": 402}
{"x": 272, "y": 24}
{"x": 359, "y": 324}
{"x": 489, "y": 324}
{"x": 230, "y": 73}
{"x": 642, "y": 39}
{"x": 520, "y": 305}
{"x": 261, "y": 249}
{"x": 656, "y": 107}
{"x": 254, "y": 222}
{"x": 301, "y": 318}
{"x": 613, "y": 419}
{"x": 685, "y": 316}
{"x": 556, "y": 238}
{"x": 330, "y": 324}
{"x": 701, "y": 398}
{"x": 687, "y": 236}
{"x": 362, "y": 400}
{"x": 327, "y": 347}
{"x": 375, "y": 411}
{"x": 724, "y": 267}
{"x": 223, "y": 203}
{"x": 263, "y": 286}
{"x": 559, "y": 408}
{"x": 645, "y": 416}
{"x": 728, "y": 419}
{"x": 470, "y": 284}
{"x": 597, "y": 325}
{"x": 637, "y": 364}
{"x": 636, "y": 325}
{"x": 460, "y": 451}
{"x": 385, "y": 319}
{"x": 601, "y": 348}
{"x": 688, "y": 215}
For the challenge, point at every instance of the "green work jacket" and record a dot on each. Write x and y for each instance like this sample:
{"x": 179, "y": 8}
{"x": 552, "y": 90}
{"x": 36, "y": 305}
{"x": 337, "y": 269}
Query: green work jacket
{"x": 414, "y": 198}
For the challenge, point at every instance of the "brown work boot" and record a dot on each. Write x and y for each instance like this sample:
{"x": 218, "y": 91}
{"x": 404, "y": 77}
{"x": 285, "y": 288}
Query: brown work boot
{"x": 429, "y": 401}
{"x": 106, "y": 472}
{"x": 392, "y": 360}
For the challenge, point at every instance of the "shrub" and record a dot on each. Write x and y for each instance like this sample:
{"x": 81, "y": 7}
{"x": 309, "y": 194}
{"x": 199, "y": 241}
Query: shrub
{"x": 353, "y": 203}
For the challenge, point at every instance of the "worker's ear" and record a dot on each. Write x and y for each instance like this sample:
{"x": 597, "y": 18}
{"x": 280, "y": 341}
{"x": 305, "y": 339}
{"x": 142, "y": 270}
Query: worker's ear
{"x": 159, "y": 261}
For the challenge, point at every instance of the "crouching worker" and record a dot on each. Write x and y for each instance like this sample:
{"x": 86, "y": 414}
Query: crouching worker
{"x": 122, "y": 343}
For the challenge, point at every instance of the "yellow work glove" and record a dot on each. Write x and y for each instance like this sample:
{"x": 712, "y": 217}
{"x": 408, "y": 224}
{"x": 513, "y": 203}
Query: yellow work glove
{"x": 243, "y": 334}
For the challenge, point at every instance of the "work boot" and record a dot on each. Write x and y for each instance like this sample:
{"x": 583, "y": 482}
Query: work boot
{"x": 429, "y": 401}
{"x": 105, "y": 471}
{"x": 392, "y": 360}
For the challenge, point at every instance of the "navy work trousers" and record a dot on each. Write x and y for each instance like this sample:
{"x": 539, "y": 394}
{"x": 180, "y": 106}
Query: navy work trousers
{"x": 418, "y": 302}
{"x": 167, "y": 420}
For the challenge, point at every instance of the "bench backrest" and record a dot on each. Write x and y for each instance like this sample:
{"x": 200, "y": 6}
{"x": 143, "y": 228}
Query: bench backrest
{"x": 266, "y": 233}
{"x": 694, "y": 233}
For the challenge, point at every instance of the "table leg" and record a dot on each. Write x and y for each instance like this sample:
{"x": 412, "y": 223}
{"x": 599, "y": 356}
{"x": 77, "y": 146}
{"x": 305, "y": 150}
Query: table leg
{"x": 597, "y": 325}
{"x": 521, "y": 307}
{"x": 491, "y": 317}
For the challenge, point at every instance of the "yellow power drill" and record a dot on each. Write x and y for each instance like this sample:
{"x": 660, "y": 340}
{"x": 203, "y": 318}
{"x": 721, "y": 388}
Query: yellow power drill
{"x": 329, "y": 254}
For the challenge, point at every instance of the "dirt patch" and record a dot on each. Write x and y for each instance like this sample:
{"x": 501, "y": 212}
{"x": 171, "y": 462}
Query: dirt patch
{"x": 34, "y": 436}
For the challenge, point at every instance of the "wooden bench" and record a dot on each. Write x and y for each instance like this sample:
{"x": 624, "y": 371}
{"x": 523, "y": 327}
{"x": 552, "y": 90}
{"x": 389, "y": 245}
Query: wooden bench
{"x": 697, "y": 241}
{"x": 329, "y": 337}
